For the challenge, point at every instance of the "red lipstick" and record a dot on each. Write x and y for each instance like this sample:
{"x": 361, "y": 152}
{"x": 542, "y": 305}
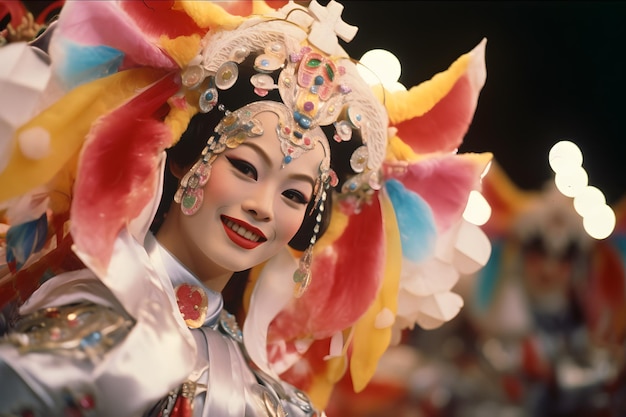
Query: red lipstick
{"x": 239, "y": 240}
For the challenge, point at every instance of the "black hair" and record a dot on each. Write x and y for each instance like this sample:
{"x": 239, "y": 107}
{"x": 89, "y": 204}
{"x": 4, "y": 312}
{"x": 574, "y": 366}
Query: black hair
{"x": 202, "y": 126}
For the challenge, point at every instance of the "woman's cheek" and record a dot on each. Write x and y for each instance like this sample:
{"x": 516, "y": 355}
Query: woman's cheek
{"x": 290, "y": 223}
{"x": 220, "y": 184}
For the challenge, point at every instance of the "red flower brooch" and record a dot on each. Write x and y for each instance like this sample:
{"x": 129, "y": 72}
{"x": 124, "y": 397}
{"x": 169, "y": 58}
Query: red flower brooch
{"x": 192, "y": 303}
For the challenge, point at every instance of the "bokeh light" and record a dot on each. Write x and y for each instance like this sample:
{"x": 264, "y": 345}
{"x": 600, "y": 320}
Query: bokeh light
{"x": 599, "y": 222}
{"x": 565, "y": 155}
{"x": 571, "y": 181}
{"x": 379, "y": 66}
{"x": 588, "y": 199}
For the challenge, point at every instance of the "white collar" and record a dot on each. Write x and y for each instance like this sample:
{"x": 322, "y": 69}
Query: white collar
{"x": 178, "y": 274}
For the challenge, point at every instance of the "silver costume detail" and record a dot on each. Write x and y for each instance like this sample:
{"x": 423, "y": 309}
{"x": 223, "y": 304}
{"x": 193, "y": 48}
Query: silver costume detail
{"x": 83, "y": 330}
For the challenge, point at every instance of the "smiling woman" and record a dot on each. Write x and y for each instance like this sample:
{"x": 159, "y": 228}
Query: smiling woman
{"x": 256, "y": 200}
{"x": 177, "y": 157}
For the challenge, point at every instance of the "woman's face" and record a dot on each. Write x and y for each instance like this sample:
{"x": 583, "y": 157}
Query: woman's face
{"x": 252, "y": 207}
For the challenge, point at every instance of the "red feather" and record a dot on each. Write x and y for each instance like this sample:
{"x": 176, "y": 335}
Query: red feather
{"x": 345, "y": 279}
{"x": 312, "y": 363}
{"x": 156, "y": 17}
{"x": 118, "y": 170}
{"x": 443, "y": 127}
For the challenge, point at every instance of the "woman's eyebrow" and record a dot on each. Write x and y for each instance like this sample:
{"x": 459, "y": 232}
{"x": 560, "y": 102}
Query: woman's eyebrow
{"x": 303, "y": 177}
{"x": 260, "y": 151}
{"x": 270, "y": 163}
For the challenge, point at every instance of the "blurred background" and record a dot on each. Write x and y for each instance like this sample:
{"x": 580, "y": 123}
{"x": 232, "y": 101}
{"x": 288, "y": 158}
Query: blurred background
{"x": 542, "y": 330}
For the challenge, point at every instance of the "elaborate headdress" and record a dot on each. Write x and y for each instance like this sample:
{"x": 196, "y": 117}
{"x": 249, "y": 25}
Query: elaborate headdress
{"x": 119, "y": 95}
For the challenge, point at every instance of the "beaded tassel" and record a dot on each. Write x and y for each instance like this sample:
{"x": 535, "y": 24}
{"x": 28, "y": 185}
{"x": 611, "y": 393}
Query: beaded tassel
{"x": 302, "y": 275}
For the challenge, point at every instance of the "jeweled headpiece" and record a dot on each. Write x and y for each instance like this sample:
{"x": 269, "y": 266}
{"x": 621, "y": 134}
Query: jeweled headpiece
{"x": 317, "y": 82}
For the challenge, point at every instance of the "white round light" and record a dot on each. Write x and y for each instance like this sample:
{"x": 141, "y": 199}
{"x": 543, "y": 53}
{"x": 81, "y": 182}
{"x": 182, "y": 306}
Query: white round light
{"x": 383, "y": 64}
{"x": 477, "y": 211}
{"x": 565, "y": 155}
{"x": 570, "y": 182}
{"x": 589, "y": 198}
{"x": 600, "y": 222}
{"x": 396, "y": 86}
{"x": 368, "y": 75}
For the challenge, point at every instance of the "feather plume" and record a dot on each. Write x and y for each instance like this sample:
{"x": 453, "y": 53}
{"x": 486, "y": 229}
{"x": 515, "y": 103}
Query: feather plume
{"x": 118, "y": 172}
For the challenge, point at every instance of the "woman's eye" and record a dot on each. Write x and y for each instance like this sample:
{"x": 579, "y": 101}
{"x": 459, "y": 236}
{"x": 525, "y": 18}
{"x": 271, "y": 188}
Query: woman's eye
{"x": 244, "y": 167}
{"x": 296, "y": 196}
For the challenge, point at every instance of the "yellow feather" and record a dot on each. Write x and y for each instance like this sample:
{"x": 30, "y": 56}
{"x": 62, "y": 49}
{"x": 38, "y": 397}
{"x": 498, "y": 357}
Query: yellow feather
{"x": 405, "y": 105}
{"x": 67, "y": 122}
{"x": 182, "y": 49}
{"x": 397, "y": 150}
{"x": 337, "y": 225}
{"x": 210, "y": 15}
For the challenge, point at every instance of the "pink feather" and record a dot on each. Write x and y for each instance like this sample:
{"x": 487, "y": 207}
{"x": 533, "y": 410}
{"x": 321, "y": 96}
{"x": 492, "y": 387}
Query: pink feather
{"x": 82, "y": 23}
{"x": 444, "y": 182}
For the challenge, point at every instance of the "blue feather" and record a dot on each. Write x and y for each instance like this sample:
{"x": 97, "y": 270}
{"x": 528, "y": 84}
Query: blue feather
{"x": 487, "y": 277}
{"x": 25, "y": 239}
{"x": 415, "y": 220}
{"x": 83, "y": 64}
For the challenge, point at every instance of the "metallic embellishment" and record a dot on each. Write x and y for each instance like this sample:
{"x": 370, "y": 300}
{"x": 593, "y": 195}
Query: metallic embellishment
{"x": 300, "y": 399}
{"x": 268, "y": 402}
{"x": 83, "y": 330}
{"x": 228, "y": 323}
{"x": 285, "y": 394}
{"x": 226, "y": 75}
{"x": 193, "y": 304}
{"x": 208, "y": 99}
{"x": 358, "y": 160}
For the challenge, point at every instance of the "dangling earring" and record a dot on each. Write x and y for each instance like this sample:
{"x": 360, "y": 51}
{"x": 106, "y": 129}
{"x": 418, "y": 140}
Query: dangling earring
{"x": 302, "y": 275}
{"x": 190, "y": 193}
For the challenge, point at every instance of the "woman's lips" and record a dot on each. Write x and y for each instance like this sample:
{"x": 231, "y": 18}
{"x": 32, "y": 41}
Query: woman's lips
{"x": 242, "y": 233}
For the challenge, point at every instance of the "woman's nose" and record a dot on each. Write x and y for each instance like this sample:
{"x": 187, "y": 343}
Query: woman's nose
{"x": 260, "y": 204}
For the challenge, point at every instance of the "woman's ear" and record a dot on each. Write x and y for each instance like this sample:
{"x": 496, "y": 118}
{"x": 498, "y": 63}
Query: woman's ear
{"x": 176, "y": 170}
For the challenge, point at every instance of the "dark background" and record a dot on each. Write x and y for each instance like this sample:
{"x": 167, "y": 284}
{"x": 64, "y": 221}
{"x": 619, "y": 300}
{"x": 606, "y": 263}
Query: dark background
{"x": 554, "y": 72}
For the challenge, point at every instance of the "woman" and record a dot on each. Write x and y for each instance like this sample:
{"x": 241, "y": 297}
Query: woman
{"x": 137, "y": 327}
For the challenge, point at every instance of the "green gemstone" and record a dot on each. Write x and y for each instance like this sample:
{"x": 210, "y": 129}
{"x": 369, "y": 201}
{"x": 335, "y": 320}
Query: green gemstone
{"x": 299, "y": 275}
{"x": 313, "y": 63}
{"x": 330, "y": 72}
{"x": 189, "y": 201}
